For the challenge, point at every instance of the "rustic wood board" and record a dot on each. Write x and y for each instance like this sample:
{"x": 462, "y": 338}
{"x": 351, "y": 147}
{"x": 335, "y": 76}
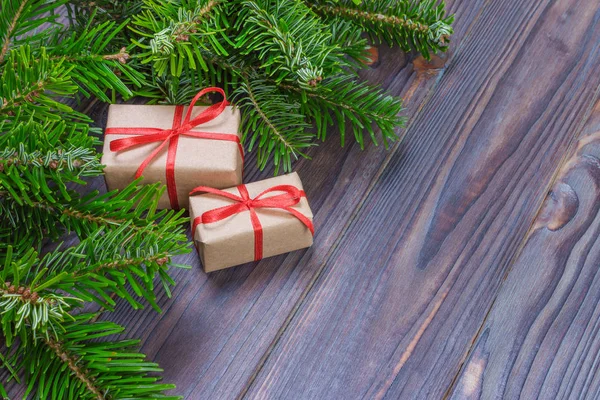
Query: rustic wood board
{"x": 405, "y": 292}
{"x": 391, "y": 296}
{"x": 217, "y": 329}
{"x": 541, "y": 338}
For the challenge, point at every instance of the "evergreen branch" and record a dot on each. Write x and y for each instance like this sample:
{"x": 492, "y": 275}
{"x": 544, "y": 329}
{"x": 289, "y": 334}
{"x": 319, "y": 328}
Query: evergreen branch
{"x": 288, "y": 41}
{"x": 205, "y": 11}
{"x": 19, "y": 18}
{"x": 350, "y": 39}
{"x": 354, "y": 102}
{"x": 22, "y": 307}
{"x": 94, "y": 71}
{"x": 102, "y": 264}
{"x": 419, "y": 25}
{"x": 29, "y": 84}
{"x": 56, "y": 160}
{"x": 106, "y": 262}
{"x": 11, "y": 28}
{"x": 267, "y": 114}
{"x": 72, "y": 363}
{"x": 84, "y": 13}
{"x": 39, "y": 168}
{"x": 85, "y": 214}
{"x": 26, "y": 307}
{"x": 45, "y": 149}
{"x": 176, "y": 38}
{"x": 271, "y": 125}
{"x": 83, "y": 364}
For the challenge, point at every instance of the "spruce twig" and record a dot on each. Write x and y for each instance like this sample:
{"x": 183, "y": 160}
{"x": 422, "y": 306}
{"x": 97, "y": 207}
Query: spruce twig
{"x": 11, "y": 28}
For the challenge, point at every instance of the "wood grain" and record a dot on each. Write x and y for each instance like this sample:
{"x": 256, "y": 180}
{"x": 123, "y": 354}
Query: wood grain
{"x": 542, "y": 336}
{"x": 404, "y": 293}
{"x": 216, "y": 330}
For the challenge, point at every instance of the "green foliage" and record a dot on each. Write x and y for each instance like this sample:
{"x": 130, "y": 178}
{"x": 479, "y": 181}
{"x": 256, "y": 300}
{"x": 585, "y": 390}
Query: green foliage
{"x": 353, "y": 103}
{"x": 173, "y": 34}
{"x": 287, "y": 42}
{"x": 90, "y": 67}
{"x": 271, "y": 122}
{"x": 47, "y": 154}
{"x": 291, "y": 64}
{"x": 20, "y": 19}
{"x": 413, "y": 25}
{"x": 86, "y": 364}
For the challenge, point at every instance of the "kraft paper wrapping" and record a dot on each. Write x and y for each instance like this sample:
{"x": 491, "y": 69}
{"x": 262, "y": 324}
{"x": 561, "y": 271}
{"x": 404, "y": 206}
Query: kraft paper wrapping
{"x": 215, "y": 163}
{"x": 230, "y": 242}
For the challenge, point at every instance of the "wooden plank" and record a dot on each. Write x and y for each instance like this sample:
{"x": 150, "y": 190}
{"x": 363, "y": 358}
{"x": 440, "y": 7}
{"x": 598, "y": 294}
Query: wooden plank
{"x": 242, "y": 310}
{"x": 217, "y": 328}
{"x": 542, "y": 338}
{"x": 406, "y": 290}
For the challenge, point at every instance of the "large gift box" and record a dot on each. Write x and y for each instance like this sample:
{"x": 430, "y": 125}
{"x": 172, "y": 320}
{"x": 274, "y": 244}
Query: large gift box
{"x": 249, "y": 222}
{"x": 182, "y": 147}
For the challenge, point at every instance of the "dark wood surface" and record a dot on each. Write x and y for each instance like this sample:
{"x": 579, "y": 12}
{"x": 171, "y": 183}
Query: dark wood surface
{"x": 405, "y": 292}
{"x": 541, "y": 338}
{"x": 441, "y": 267}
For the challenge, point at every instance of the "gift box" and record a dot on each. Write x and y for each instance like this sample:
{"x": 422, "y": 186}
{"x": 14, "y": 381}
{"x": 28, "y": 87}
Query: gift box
{"x": 249, "y": 222}
{"x": 182, "y": 147}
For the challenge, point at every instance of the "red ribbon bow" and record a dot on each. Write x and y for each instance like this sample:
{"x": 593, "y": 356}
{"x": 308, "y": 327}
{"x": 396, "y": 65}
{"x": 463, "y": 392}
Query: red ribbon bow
{"x": 291, "y": 196}
{"x": 171, "y": 137}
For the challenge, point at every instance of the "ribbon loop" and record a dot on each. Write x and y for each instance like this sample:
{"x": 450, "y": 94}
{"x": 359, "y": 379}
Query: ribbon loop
{"x": 170, "y": 137}
{"x": 285, "y": 201}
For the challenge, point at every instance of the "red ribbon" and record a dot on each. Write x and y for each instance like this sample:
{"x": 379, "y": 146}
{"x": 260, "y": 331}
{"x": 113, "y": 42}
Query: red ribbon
{"x": 171, "y": 137}
{"x": 243, "y": 202}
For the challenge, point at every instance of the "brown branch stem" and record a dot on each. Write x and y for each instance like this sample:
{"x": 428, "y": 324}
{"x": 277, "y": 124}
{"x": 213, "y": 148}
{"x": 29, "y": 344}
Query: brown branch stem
{"x": 73, "y": 365}
{"x": 266, "y": 119}
{"x": 370, "y": 16}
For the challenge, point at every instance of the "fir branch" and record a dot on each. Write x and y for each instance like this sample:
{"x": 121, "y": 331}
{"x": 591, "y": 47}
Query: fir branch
{"x": 20, "y": 18}
{"x": 419, "y": 25}
{"x": 11, "y": 28}
{"x": 269, "y": 114}
{"x": 82, "y": 14}
{"x": 39, "y": 312}
{"x": 57, "y": 161}
{"x": 22, "y": 306}
{"x": 288, "y": 41}
{"x": 274, "y": 129}
{"x": 102, "y": 264}
{"x": 175, "y": 39}
{"x": 134, "y": 207}
{"x": 29, "y": 86}
{"x": 356, "y": 103}
{"x": 45, "y": 150}
{"x": 106, "y": 262}
{"x": 40, "y": 168}
{"x": 78, "y": 371}
{"x": 84, "y": 364}
{"x": 94, "y": 71}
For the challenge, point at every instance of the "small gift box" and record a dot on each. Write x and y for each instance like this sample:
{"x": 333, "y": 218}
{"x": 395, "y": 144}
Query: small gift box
{"x": 179, "y": 146}
{"x": 249, "y": 222}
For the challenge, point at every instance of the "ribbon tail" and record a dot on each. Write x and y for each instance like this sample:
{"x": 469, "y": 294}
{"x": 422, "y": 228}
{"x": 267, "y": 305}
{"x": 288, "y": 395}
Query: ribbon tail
{"x": 303, "y": 218}
{"x": 149, "y": 159}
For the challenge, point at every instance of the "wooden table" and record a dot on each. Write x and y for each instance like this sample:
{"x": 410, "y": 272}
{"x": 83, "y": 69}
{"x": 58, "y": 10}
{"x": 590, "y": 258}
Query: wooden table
{"x": 461, "y": 263}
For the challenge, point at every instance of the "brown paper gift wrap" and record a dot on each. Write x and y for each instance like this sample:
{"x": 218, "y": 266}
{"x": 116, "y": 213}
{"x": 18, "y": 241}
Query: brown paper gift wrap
{"x": 215, "y": 163}
{"x": 230, "y": 242}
